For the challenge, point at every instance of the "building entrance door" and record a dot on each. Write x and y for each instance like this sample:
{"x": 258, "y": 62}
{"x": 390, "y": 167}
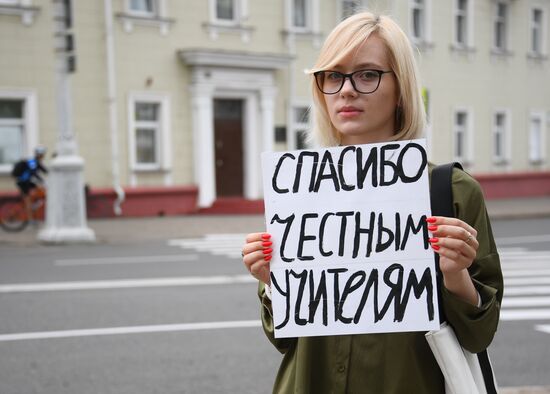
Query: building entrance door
{"x": 228, "y": 146}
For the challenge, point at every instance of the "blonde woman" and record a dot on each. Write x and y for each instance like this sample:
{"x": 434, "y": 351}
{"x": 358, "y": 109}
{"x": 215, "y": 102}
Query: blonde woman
{"x": 366, "y": 90}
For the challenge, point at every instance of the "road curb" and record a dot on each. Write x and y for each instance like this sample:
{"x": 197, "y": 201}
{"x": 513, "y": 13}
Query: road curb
{"x": 525, "y": 390}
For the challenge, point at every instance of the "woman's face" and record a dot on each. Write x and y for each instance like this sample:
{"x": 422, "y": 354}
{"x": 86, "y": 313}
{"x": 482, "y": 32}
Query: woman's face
{"x": 365, "y": 118}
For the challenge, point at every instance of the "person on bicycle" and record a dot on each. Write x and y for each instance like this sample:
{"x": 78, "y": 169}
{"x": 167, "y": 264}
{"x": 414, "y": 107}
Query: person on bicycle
{"x": 29, "y": 176}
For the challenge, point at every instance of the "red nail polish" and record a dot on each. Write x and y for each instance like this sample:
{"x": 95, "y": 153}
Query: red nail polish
{"x": 267, "y": 243}
{"x": 266, "y": 236}
{"x": 267, "y": 258}
{"x": 432, "y": 228}
{"x": 431, "y": 219}
{"x": 435, "y": 247}
{"x": 268, "y": 251}
{"x": 433, "y": 240}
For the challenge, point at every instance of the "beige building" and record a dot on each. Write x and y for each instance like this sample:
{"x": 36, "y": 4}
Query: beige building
{"x": 185, "y": 95}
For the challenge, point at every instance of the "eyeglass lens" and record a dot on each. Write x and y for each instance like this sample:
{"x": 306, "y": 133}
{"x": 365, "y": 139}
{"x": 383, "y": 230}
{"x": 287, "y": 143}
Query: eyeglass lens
{"x": 364, "y": 81}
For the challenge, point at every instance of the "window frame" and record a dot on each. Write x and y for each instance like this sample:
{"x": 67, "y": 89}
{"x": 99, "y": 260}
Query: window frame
{"x": 539, "y": 52}
{"x": 503, "y": 157}
{"x": 505, "y": 21}
{"x": 467, "y": 156}
{"x": 155, "y": 13}
{"x": 426, "y": 21}
{"x": 239, "y": 7}
{"x": 540, "y": 115}
{"x": 162, "y": 137}
{"x": 297, "y": 125}
{"x": 469, "y": 25}
{"x": 29, "y": 121}
{"x": 359, "y": 4}
{"x": 309, "y": 4}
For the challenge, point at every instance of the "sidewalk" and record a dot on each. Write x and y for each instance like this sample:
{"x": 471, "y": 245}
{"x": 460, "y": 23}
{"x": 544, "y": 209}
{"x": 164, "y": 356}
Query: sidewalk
{"x": 127, "y": 230}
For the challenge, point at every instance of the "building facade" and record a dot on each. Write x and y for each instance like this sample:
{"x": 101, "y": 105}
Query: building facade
{"x": 181, "y": 97}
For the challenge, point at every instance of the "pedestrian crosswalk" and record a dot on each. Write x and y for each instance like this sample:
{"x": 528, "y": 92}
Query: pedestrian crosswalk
{"x": 526, "y": 274}
{"x": 526, "y": 286}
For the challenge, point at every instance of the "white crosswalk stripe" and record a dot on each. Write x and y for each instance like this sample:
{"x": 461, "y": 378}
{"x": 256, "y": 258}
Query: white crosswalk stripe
{"x": 526, "y": 286}
{"x": 228, "y": 245}
{"x": 526, "y": 274}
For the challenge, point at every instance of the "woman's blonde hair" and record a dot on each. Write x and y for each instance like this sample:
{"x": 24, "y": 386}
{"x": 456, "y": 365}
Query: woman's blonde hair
{"x": 345, "y": 39}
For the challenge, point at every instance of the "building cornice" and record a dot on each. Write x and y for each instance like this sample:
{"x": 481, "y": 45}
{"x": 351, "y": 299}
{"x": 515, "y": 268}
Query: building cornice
{"x": 225, "y": 58}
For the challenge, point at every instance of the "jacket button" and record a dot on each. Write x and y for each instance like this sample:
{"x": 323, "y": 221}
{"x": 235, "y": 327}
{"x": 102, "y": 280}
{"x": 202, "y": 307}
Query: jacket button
{"x": 341, "y": 368}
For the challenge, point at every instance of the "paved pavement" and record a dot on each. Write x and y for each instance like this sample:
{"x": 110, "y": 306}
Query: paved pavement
{"x": 129, "y": 230}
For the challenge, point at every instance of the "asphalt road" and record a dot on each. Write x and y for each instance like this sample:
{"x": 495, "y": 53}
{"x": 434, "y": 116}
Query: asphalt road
{"x": 169, "y": 316}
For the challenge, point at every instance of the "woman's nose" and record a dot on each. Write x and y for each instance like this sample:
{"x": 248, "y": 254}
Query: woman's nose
{"x": 347, "y": 87}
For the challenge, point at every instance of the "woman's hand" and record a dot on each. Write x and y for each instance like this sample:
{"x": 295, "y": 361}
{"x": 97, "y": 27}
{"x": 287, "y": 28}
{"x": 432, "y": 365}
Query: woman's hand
{"x": 257, "y": 255}
{"x": 455, "y": 242}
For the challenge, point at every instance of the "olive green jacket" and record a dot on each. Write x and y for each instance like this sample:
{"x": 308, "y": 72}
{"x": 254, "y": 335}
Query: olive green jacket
{"x": 397, "y": 362}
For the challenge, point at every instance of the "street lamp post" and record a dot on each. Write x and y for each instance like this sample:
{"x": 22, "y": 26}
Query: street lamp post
{"x": 65, "y": 209}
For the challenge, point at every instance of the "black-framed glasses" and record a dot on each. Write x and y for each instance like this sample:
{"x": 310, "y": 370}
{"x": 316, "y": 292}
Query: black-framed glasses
{"x": 363, "y": 81}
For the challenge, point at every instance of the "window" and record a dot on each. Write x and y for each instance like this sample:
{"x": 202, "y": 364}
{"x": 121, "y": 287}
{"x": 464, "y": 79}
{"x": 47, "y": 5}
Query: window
{"x": 300, "y": 124}
{"x": 418, "y": 20}
{"x": 350, "y": 7}
{"x": 537, "y": 141}
{"x": 12, "y": 131}
{"x": 461, "y": 136}
{"x": 300, "y": 14}
{"x": 18, "y": 126}
{"x": 462, "y": 22}
{"x": 537, "y": 31}
{"x": 501, "y": 26}
{"x": 143, "y": 7}
{"x": 149, "y": 132}
{"x": 500, "y": 137}
{"x": 225, "y": 10}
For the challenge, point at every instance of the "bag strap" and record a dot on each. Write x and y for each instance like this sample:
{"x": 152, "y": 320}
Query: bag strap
{"x": 441, "y": 200}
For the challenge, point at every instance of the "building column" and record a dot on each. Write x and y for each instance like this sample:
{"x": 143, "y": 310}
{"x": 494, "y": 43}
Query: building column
{"x": 267, "y": 110}
{"x": 203, "y": 143}
{"x": 252, "y": 168}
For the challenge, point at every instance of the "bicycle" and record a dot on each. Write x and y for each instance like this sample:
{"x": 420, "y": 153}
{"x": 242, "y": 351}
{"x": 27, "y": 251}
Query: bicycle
{"x": 13, "y": 214}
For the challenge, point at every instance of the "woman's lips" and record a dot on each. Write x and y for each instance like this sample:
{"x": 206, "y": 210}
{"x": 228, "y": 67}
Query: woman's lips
{"x": 349, "y": 112}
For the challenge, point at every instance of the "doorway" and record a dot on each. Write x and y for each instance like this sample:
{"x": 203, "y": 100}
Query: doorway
{"x": 228, "y": 147}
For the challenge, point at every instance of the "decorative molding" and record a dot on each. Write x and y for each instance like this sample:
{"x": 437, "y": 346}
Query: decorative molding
{"x": 129, "y": 20}
{"x": 223, "y": 58}
{"x": 27, "y": 13}
{"x": 214, "y": 29}
{"x": 294, "y": 33}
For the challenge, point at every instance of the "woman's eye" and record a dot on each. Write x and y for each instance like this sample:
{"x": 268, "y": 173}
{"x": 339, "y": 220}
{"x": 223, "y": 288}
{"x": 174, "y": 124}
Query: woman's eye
{"x": 368, "y": 75}
{"x": 334, "y": 76}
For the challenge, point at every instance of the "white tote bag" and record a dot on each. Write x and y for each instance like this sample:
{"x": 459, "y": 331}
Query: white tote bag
{"x": 460, "y": 368}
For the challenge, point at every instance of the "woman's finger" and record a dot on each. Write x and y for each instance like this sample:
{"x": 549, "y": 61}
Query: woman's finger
{"x": 442, "y": 220}
{"x": 256, "y": 241}
{"x": 467, "y": 249}
{"x": 456, "y": 232}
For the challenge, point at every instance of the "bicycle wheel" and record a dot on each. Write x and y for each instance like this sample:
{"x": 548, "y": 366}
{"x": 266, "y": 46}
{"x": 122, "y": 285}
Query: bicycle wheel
{"x": 13, "y": 216}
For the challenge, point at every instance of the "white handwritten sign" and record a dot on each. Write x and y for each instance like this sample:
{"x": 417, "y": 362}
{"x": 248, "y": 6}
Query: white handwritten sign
{"x": 351, "y": 252}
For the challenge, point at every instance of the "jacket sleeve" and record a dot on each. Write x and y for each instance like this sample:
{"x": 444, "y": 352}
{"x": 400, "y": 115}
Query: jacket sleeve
{"x": 475, "y": 326}
{"x": 282, "y": 344}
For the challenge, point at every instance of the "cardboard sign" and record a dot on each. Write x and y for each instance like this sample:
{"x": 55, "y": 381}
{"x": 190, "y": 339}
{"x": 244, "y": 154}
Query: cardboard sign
{"x": 351, "y": 252}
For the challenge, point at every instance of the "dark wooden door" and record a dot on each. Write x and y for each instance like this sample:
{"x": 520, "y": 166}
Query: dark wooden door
{"x": 228, "y": 145}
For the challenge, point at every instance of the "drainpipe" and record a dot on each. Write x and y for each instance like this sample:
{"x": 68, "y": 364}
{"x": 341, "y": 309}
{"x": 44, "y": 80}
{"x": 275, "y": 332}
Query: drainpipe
{"x": 111, "y": 99}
